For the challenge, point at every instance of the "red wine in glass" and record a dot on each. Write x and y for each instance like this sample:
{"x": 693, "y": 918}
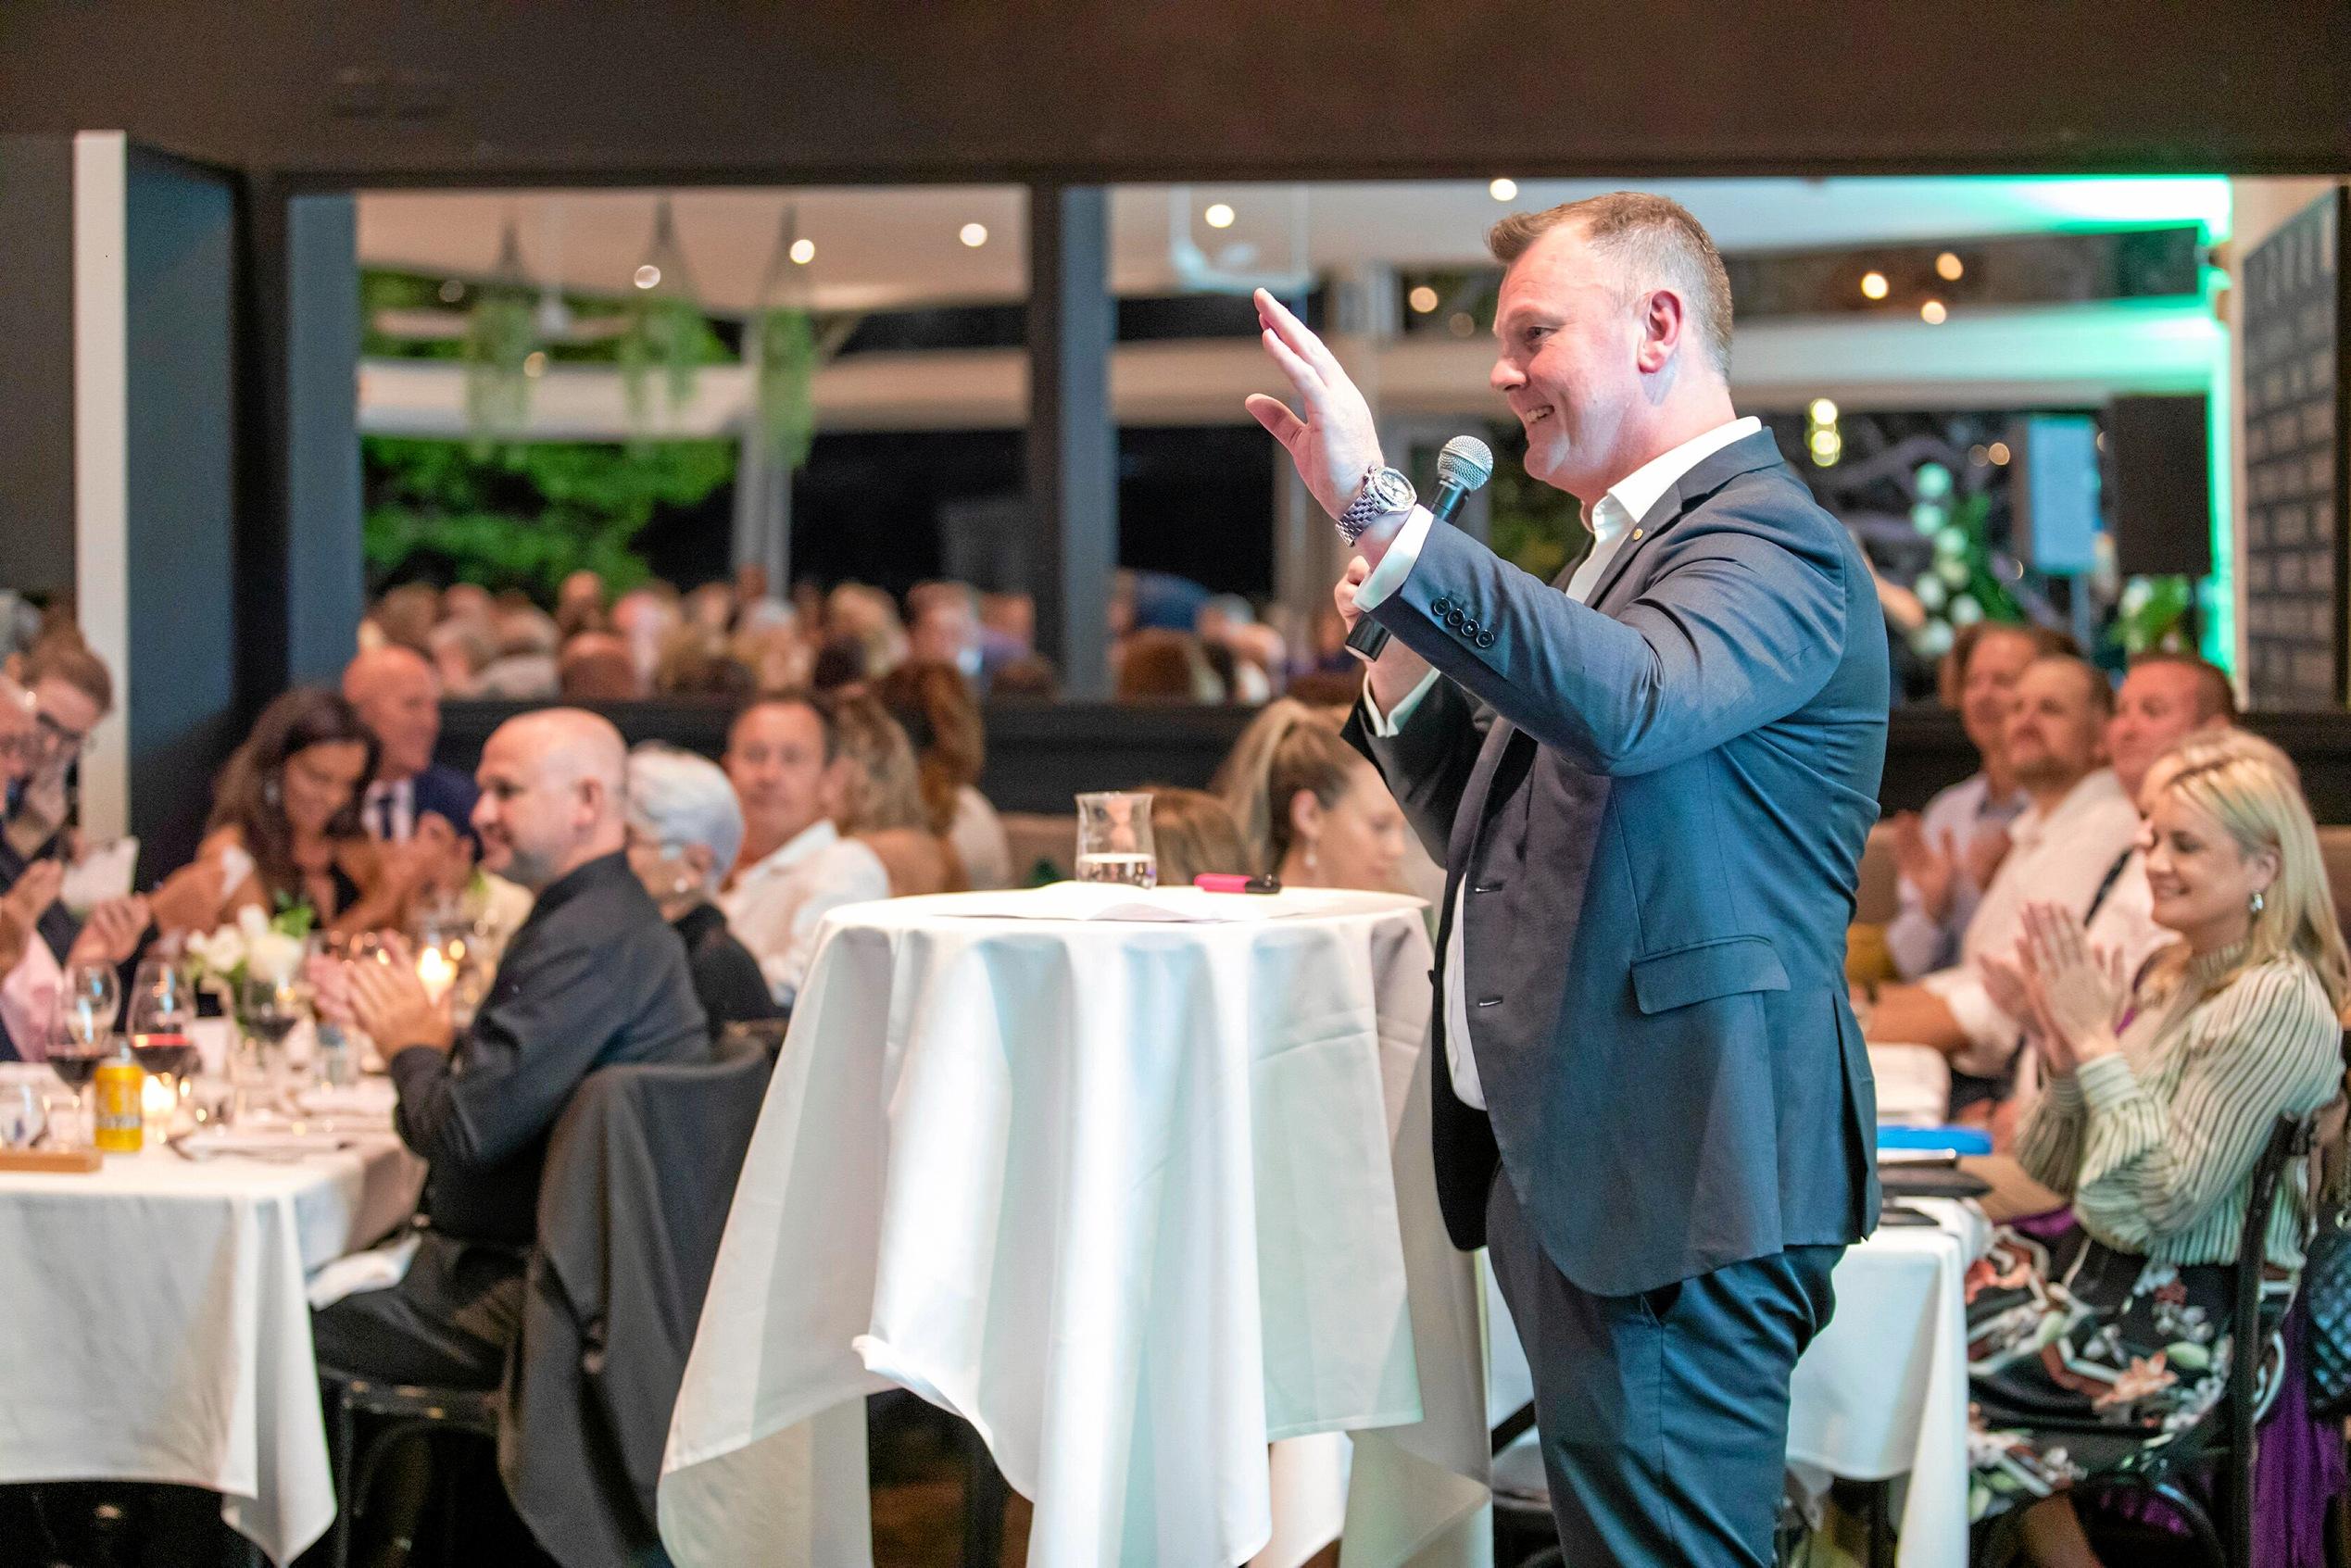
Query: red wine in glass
{"x": 163, "y": 1053}
{"x": 76, "y": 1068}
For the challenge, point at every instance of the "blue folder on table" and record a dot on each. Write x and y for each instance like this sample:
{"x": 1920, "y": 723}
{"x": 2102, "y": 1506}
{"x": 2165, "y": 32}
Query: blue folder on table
{"x": 1945, "y": 1140}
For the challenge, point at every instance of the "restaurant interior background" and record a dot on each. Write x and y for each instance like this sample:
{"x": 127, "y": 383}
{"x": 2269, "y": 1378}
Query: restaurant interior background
{"x": 1009, "y": 316}
{"x": 305, "y": 301}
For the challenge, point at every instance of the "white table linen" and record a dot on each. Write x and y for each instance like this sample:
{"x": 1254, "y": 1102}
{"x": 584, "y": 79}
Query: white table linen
{"x": 160, "y": 1327}
{"x": 1124, "y": 1195}
{"x": 1883, "y": 1391}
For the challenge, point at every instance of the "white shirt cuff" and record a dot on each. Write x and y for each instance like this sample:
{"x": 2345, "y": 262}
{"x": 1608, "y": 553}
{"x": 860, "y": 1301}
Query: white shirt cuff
{"x": 1991, "y": 1034}
{"x": 1387, "y": 725}
{"x": 1396, "y": 564}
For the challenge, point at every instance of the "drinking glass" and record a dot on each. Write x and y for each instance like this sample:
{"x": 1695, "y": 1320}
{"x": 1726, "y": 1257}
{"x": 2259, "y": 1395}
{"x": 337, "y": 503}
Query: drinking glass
{"x": 162, "y": 1006}
{"x": 24, "y": 1112}
{"x": 74, "y": 1055}
{"x": 92, "y": 999}
{"x": 1114, "y": 839}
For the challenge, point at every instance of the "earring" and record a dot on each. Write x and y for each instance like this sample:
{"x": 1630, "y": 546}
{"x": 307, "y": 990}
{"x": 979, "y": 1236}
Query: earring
{"x": 269, "y": 791}
{"x": 683, "y": 884}
{"x": 1313, "y": 863}
{"x": 2257, "y": 902}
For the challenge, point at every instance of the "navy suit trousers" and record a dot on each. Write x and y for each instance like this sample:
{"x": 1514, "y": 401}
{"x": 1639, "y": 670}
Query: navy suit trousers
{"x": 1663, "y": 1416}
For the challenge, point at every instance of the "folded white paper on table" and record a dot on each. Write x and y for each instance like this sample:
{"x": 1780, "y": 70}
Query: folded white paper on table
{"x": 369, "y": 1097}
{"x": 102, "y": 873}
{"x": 379, "y": 1268}
{"x": 289, "y": 1140}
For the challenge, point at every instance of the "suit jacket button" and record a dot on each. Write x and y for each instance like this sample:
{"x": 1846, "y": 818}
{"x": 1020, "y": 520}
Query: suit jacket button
{"x": 1439, "y": 606}
{"x": 1485, "y": 639}
{"x": 1469, "y": 628}
{"x": 1453, "y": 618}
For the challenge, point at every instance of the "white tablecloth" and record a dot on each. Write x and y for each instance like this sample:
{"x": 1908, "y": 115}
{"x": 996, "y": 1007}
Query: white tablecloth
{"x": 158, "y": 1329}
{"x": 1124, "y": 1195}
{"x": 1883, "y": 1391}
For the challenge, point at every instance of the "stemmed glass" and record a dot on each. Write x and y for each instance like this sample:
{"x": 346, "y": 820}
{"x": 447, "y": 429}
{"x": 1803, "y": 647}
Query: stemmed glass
{"x": 81, "y": 1036}
{"x": 162, "y": 1006}
{"x": 269, "y": 1009}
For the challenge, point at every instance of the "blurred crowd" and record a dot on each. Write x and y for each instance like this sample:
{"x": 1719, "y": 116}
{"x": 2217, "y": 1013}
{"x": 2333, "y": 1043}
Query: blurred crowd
{"x": 1171, "y": 640}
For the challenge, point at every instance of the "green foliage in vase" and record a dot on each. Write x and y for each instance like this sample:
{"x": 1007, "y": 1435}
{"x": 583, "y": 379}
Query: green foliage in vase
{"x": 666, "y": 333}
{"x": 500, "y": 334}
{"x": 525, "y": 514}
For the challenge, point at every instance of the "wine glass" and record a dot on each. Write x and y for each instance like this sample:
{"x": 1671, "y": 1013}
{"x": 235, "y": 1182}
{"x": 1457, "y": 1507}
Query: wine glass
{"x": 92, "y": 995}
{"x": 75, "y": 1050}
{"x": 162, "y": 1006}
{"x": 269, "y": 1008}
{"x": 24, "y": 1112}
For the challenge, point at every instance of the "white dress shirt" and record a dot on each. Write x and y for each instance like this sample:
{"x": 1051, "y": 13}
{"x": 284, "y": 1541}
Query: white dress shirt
{"x": 775, "y": 908}
{"x": 399, "y": 796}
{"x": 2060, "y": 857}
{"x": 1626, "y": 503}
{"x": 1918, "y": 943}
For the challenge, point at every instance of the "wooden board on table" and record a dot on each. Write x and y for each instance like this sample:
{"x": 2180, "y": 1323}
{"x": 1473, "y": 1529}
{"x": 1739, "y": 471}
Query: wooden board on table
{"x": 54, "y": 1161}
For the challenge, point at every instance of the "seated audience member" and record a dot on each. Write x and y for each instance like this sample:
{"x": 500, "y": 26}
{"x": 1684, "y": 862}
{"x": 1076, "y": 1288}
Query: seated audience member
{"x": 685, "y": 830}
{"x": 881, "y": 802}
{"x": 1193, "y": 831}
{"x": 38, "y": 936}
{"x": 1155, "y": 665}
{"x": 934, "y": 703}
{"x": 579, "y": 605}
{"x": 773, "y": 653}
{"x": 1226, "y": 627}
{"x": 2064, "y": 850}
{"x": 468, "y": 601}
{"x": 398, "y": 699}
{"x": 867, "y": 617}
{"x": 524, "y": 668}
{"x": 1335, "y": 689}
{"x": 2088, "y": 1348}
{"x": 695, "y": 661}
{"x": 597, "y": 666}
{"x": 752, "y": 586}
{"x": 71, "y": 691}
{"x": 460, "y": 649}
{"x": 644, "y": 618}
{"x": 1947, "y": 855}
{"x": 711, "y": 607}
{"x": 838, "y": 667}
{"x": 1315, "y": 813}
{"x": 285, "y": 828}
{"x": 783, "y": 757}
{"x": 405, "y": 615}
{"x": 943, "y": 627}
{"x": 595, "y": 977}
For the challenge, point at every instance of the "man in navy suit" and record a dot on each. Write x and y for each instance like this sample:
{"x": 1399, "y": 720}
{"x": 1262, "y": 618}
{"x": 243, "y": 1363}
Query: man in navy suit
{"x": 1651, "y": 782}
{"x": 398, "y": 697}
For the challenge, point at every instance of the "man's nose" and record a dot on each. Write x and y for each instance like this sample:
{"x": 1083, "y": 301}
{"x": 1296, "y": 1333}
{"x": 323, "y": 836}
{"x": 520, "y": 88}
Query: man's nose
{"x": 1506, "y": 376}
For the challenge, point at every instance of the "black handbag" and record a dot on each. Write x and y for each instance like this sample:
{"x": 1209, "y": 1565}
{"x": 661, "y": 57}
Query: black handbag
{"x": 2326, "y": 1298}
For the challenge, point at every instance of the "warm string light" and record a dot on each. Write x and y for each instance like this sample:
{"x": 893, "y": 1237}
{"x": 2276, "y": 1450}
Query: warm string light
{"x": 1873, "y": 285}
{"x": 1218, "y": 216}
{"x": 649, "y": 276}
{"x": 973, "y": 234}
{"x": 1948, "y": 267}
{"x": 1423, "y": 298}
{"x": 1503, "y": 190}
{"x": 1932, "y": 313}
{"x": 803, "y": 251}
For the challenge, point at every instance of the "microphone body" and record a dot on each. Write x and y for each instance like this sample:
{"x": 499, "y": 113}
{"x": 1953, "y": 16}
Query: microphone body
{"x": 1369, "y": 637}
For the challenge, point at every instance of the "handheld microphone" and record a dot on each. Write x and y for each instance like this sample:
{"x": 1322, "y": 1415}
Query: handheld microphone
{"x": 1464, "y": 465}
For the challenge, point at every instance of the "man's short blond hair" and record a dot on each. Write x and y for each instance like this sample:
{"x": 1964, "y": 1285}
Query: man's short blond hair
{"x": 1653, "y": 242}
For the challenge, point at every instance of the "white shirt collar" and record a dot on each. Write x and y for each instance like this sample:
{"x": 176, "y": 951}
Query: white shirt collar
{"x": 1632, "y": 497}
{"x": 2095, "y": 790}
{"x": 814, "y": 839}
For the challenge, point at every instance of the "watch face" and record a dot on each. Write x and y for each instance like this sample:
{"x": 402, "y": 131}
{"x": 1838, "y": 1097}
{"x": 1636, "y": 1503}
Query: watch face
{"x": 1391, "y": 487}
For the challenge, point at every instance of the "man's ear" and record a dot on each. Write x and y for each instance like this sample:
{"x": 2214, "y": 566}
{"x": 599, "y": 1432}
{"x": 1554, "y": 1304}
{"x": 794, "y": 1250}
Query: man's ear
{"x": 1665, "y": 322}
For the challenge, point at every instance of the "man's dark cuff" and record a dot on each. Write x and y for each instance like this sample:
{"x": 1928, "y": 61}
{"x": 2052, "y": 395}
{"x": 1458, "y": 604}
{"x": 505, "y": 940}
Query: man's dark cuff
{"x": 415, "y": 1064}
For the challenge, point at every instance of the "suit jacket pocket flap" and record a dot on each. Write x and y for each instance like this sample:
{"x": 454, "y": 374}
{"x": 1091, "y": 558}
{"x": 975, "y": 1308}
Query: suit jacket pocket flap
{"x": 1706, "y": 970}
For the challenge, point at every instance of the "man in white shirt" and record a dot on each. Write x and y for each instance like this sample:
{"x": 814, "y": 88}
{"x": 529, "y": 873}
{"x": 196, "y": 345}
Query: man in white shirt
{"x": 783, "y": 757}
{"x": 1948, "y": 854}
{"x": 2065, "y": 848}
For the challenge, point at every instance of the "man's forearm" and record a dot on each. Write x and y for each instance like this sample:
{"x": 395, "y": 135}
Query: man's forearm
{"x": 1912, "y": 1015}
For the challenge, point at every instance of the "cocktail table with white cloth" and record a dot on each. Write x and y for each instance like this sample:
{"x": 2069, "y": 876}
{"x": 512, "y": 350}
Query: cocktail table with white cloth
{"x": 1123, "y": 1193}
{"x": 160, "y": 1324}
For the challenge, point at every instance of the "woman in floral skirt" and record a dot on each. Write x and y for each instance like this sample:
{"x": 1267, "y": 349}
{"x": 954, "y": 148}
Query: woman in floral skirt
{"x": 2158, "y": 1103}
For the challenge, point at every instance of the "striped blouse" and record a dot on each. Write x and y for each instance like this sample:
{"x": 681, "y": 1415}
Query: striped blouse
{"x": 2155, "y": 1143}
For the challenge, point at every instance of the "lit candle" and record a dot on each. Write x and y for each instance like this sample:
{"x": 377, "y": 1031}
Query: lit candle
{"x": 157, "y": 1101}
{"x": 433, "y": 967}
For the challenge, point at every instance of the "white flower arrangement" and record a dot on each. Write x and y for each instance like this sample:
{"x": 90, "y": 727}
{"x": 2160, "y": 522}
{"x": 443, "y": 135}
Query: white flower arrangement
{"x": 256, "y": 945}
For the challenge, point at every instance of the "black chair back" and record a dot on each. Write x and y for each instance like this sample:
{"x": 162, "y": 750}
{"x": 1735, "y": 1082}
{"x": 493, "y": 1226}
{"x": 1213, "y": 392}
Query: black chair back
{"x": 2289, "y": 1138}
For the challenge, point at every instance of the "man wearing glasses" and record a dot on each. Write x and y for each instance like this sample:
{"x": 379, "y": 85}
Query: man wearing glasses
{"x": 71, "y": 691}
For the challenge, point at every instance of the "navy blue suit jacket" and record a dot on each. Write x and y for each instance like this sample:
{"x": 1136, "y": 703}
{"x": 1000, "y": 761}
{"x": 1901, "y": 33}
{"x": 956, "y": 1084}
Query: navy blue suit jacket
{"x": 1658, "y": 801}
{"x": 450, "y": 793}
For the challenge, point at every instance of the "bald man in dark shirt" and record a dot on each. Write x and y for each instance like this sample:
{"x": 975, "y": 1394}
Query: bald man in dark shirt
{"x": 594, "y": 977}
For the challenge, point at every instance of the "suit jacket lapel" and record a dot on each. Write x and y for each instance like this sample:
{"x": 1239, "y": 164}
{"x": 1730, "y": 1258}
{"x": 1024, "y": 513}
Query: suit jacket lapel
{"x": 1714, "y": 471}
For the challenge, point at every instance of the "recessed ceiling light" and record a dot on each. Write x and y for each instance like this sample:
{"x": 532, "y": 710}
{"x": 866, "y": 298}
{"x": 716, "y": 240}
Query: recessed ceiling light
{"x": 803, "y": 251}
{"x": 973, "y": 234}
{"x": 1873, "y": 285}
{"x": 1423, "y": 298}
{"x": 649, "y": 276}
{"x": 1503, "y": 190}
{"x": 1218, "y": 216}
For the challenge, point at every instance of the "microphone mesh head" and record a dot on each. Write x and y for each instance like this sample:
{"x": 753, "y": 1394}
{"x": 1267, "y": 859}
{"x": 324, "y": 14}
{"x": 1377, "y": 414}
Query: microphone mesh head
{"x": 1466, "y": 461}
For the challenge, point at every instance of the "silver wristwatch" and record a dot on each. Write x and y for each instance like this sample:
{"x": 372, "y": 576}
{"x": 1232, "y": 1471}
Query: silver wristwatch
{"x": 1383, "y": 490}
